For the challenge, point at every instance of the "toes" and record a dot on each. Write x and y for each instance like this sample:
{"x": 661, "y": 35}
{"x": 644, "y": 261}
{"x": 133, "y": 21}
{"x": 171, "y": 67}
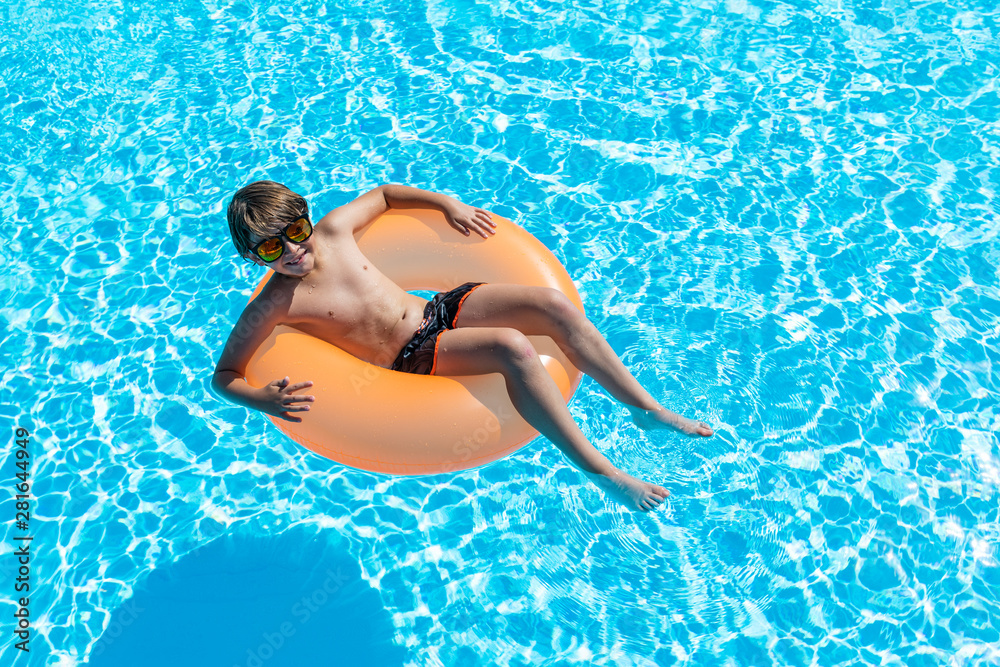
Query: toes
{"x": 661, "y": 492}
{"x": 651, "y": 502}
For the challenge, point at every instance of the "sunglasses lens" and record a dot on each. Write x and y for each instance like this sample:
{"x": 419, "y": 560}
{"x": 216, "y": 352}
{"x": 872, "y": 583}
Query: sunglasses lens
{"x": 299, "y": 230}
{"x": 270, "y": 250}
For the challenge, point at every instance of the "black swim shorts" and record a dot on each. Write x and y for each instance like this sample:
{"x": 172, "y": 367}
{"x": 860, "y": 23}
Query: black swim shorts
{"x": 420, "y": 354}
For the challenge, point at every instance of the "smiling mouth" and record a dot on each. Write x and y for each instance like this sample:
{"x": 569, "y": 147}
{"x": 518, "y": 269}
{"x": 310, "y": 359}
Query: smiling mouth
{"x": 297, "y": 260}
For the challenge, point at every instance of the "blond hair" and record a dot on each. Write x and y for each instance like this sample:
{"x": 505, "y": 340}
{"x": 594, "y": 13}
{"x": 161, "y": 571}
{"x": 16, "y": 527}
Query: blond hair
{"x": 261, "y": 209}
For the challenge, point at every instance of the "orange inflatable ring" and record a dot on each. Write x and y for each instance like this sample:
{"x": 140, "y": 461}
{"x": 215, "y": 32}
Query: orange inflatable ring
{"x": 372, "y": 418}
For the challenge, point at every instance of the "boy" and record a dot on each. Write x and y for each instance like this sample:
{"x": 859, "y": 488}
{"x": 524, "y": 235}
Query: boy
{"x": 328, "y": 289}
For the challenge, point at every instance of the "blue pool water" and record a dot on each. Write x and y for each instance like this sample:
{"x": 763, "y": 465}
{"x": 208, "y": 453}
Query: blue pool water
{"x": 783, "y": 216}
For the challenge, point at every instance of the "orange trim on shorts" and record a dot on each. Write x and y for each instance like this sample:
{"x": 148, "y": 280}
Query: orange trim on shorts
{"x": 437, "y": 341}
{"x": 460, "y": 302}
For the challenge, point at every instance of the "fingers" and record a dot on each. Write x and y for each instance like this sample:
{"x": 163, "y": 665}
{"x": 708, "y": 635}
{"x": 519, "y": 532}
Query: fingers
{"x": 288, "y": 407}
{"x": 284, "y": 387}
{"x": 289, "y": 401}
{"x": 285, "y": 402}
{"x": 482, "y": 223}
{"x": 486, "y": 217}
{"x": 476, "y": 228}
{"x": 473, "y": 220}
{"x": 486, "y": 220}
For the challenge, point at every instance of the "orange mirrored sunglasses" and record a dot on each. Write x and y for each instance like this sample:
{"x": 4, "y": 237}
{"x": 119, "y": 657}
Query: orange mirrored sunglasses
{"x": 271, "y": 249}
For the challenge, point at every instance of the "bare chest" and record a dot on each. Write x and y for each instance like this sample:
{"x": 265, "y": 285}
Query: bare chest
{"x": 341, "y": 307}
{"x": 361, "y": 312}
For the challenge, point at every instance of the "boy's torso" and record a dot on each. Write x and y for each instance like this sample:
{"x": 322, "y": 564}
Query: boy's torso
{"x": 348, "y": 302}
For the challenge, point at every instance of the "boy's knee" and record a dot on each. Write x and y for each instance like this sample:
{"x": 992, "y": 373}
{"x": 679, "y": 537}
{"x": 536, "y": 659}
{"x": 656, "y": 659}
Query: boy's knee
{"x": 513, "y": 347}
{"x": 558, "y": 307}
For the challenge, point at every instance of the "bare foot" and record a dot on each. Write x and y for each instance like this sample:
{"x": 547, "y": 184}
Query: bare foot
{"x": 631, "y": 492}
{"x": 663, "y": 418}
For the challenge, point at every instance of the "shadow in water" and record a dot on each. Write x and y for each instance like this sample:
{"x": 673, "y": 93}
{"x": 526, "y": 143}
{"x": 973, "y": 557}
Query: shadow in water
{"x": 245, "y": 600}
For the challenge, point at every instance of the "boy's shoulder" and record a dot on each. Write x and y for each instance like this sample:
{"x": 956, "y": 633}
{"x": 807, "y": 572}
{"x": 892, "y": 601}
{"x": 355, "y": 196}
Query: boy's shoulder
{"x": 335, "y": 223}
{"x": 352, "y": 217}
{"x": 275, "y": 296}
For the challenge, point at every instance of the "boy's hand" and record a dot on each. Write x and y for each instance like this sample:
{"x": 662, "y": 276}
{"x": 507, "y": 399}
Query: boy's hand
{"x": 278, "y": 399}
{"x": 467, "y": 219}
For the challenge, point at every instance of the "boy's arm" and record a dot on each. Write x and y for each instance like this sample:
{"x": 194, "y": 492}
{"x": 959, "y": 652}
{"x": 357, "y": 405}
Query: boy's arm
{"x": 360, "y": 212}
{"x": 229, "y": 380}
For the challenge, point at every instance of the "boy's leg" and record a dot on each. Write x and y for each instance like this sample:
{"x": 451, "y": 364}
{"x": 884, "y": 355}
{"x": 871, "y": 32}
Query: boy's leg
{"x": 547, "y": 312}
{"x": 476, "y": 351}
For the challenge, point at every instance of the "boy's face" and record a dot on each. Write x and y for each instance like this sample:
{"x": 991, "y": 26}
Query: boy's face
{"x": 298, "y": 259}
